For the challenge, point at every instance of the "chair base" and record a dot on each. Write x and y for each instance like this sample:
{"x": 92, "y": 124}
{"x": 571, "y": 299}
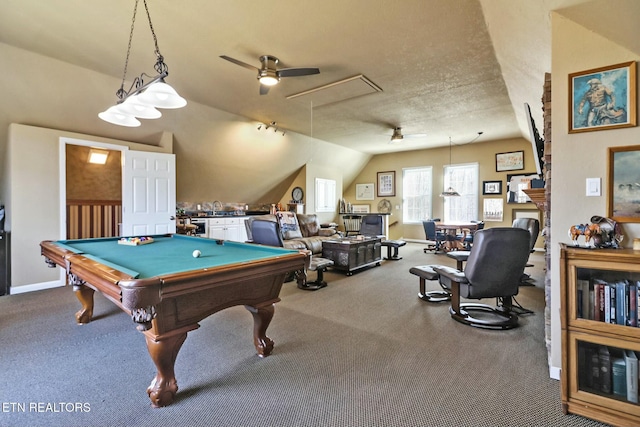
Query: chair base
{"x": 435, "y": 296}
{"x": 503, "y": 318}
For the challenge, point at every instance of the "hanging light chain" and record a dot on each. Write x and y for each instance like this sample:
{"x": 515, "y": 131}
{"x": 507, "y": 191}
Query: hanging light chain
{"x": 160, "y": 66}
{"x": 121, "y": 92}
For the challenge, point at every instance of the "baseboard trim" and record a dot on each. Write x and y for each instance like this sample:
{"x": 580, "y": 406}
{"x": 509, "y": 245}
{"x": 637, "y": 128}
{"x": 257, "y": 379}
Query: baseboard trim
{"x": 554, "y": 372}
{"x": 35, "y": 287}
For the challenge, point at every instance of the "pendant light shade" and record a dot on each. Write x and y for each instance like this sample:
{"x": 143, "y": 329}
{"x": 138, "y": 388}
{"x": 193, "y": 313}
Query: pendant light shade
{"x": 450, "y": 192}
{"x": 115, "y": 116}
{"x": 161, "y": 95}
{"x": 134, "y": 107}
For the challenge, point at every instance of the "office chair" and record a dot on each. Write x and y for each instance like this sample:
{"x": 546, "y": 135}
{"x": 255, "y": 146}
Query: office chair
{"x": 493, "y": 270}
{"x": 434, "y": 237}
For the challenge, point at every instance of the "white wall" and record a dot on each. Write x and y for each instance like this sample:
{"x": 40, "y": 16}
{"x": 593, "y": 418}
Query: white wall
{"x": 576, "y": 157}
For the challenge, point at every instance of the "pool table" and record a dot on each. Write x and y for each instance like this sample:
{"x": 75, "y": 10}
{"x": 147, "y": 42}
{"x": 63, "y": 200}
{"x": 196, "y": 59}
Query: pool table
{"x": 168, "y": 291}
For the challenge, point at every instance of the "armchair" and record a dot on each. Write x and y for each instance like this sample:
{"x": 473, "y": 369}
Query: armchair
{"x": 494, "y": 267}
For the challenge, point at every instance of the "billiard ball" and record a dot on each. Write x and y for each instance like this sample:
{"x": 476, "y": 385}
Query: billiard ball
{"x": 197, "y": 253}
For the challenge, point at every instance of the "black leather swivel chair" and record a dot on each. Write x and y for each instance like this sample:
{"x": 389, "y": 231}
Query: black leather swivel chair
{"x": 434, "y": 238}
{"x": 373, "y": 225}
{"x": 268, "y": 233}
{"x": 532, "y": 225}
{"x": 493, "y": 270}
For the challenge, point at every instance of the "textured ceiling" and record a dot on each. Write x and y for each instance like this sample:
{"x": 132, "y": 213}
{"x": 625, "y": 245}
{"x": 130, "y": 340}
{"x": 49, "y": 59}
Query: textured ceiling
{"x": 447, "y": 68}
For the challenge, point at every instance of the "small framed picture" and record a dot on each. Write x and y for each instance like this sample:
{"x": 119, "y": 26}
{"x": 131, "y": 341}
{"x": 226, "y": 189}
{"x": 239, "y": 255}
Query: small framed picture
{"x": 364, "y": 191}
{"x": 603, "y": 98}
{"x": 491, "y": 187}
{"x": 513, "y": 161}
{"x": 386, "y": 184}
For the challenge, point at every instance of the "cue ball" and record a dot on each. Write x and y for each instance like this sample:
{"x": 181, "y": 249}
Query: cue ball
{"x": 197, "y": 253}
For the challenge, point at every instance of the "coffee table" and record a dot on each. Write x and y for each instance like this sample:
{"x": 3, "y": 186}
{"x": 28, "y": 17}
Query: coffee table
{"x": 352, "y": 253}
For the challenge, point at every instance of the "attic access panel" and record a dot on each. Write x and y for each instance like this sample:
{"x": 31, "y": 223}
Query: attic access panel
{"x": 338, "y": 91}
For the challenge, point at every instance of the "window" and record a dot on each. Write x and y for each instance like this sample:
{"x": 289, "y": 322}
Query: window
{"x": 325, "y": 195}
{"x": 464, "y": 179}
{"x": 416, "y": 190}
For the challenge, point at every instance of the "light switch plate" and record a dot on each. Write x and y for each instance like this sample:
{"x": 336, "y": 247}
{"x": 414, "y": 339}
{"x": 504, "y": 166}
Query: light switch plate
{"x": 593, "y": 187}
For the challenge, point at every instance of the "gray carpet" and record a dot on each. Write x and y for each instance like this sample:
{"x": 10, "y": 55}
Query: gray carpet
{"x": 365, "y": 351}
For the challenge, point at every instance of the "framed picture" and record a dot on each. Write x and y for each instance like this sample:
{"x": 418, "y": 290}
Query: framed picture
{"x": 386, "y": 184}
{"x": 603, "y": 98}
{"x": 513, "y": 161}
{"x": 492, "y": 209}
{"x": 491, "y": 187}
{"x": 363, "y": 209}
{"x": 623, "y": 204}
{"x": 364, "y": 191}
{"x": 517, "y": 183}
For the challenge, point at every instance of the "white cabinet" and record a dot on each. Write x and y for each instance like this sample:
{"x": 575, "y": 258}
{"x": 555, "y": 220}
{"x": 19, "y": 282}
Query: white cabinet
{"x": 227, "y": 229}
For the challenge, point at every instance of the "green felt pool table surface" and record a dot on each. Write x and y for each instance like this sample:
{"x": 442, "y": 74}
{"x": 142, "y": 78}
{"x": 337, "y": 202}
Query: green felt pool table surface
{"x": 168, "y": 254}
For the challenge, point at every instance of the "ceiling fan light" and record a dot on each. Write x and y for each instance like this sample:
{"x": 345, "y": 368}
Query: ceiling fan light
{"x": 115, "y": 116}
{"x": 269, "y": 80}
{"x": 161, "y": 95}
{"x": 134, "y": 107}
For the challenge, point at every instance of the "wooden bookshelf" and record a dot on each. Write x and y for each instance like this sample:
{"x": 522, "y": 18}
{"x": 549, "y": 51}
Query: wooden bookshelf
{"x": 594, "y": 342}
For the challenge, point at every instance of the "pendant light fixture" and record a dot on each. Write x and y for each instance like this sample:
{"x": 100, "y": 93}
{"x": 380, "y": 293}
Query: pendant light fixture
{"x": 450, "y": 192}
{"x": 142, "y": 98}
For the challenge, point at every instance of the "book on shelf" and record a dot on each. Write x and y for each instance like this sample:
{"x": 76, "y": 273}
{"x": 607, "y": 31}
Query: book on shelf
{"x": 604, "y": 358}
{"x": 621, "y": 298}
{"x": 612, "y": 303}
{"x": 631, "y": 375}
{"x": 607, "y": 302}
{"x": 619, "y": 376}
{"x": 633, "y": 304}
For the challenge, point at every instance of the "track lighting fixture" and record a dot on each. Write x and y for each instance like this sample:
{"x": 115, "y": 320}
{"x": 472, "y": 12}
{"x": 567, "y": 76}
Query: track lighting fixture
{"x": 142, "y": 98}
{"x": 272, "y": 125}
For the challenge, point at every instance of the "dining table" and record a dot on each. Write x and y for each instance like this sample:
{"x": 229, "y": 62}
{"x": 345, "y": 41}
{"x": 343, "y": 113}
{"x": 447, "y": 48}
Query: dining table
{"x": 451, "y": 229}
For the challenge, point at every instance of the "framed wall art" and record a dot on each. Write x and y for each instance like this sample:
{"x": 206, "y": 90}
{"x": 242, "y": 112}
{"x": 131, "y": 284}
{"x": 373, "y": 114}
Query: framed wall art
{"x": 603, "y": 98}
{"x": 386, "y": 184}
{"x": 491, "y": 187}
{"x": 513, "y": 161}
{"x": 623, "y": 203}
{"x": 492, "y": 209}
{"x": 364, "y": 191}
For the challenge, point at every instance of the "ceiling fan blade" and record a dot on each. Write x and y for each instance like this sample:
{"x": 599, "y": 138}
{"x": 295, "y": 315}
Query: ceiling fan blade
{"x": 415, "y": 135}
{"x": 297, "y": 72}
{"x": 240, "y": 63}
{"x": 264, "y": 89}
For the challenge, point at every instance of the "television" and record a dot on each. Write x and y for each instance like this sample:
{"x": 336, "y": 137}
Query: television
{"x": 537, "y": 143}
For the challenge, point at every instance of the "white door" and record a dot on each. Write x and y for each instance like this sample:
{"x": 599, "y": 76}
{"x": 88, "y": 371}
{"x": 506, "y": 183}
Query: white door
{"x": 148, "y": 193}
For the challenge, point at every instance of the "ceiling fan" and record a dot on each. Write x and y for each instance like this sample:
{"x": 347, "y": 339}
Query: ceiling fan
{"x": 397, "y": 135}
{"x": 269, "y": 74}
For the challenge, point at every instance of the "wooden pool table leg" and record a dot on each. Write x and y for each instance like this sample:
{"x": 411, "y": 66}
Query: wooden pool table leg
{"x": 261, "y": 319}
{"x": 164, "y": 352}
{"x": 85, "y": 296}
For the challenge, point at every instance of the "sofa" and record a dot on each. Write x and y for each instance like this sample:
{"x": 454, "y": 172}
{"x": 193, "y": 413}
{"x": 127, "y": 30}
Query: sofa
{"x": 299, "y": 231}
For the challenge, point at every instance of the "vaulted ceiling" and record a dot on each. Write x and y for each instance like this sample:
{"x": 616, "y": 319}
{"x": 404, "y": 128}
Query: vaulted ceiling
{"x": 445, "y": 68}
